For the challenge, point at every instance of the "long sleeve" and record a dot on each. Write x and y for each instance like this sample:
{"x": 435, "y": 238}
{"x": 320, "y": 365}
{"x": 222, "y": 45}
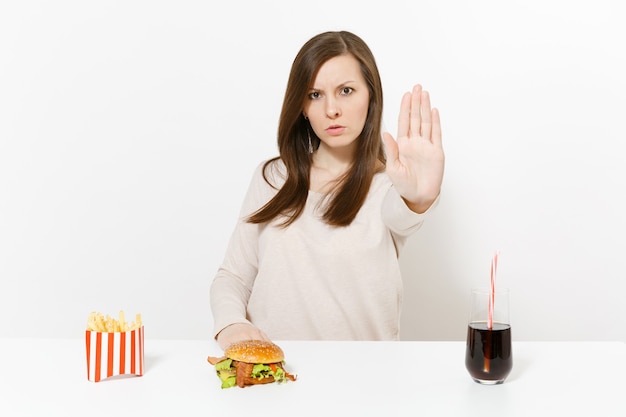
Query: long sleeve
{"x": 233, "y": 283}
{"x": 401, "y": 221}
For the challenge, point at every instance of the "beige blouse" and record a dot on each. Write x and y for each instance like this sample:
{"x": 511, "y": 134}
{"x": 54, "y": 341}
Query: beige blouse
{"x": 312, "y": 281}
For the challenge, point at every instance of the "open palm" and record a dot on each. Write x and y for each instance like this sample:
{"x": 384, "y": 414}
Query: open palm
{"x": 415, "y": 162}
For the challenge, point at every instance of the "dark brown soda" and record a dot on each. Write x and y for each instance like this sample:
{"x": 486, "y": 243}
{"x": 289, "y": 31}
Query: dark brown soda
{"x": 488, "y": 353}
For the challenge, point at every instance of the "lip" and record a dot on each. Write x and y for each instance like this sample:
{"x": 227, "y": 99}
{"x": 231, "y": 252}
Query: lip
{"x": 335, "y": 130}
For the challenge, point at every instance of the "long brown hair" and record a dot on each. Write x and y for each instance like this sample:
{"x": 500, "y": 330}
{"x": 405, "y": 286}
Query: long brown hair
{"x": 293, "y": 131}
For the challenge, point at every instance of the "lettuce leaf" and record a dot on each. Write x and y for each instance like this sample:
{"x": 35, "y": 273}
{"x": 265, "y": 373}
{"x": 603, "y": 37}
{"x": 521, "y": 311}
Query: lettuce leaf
{"x": 225, "y": 364}
{"x": 228, "y": 381}
{"x": 260, "y": 371}
{"x": 226, "y": 372}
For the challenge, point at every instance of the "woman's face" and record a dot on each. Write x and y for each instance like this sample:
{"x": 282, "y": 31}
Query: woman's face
{"x": 337, "y": 103}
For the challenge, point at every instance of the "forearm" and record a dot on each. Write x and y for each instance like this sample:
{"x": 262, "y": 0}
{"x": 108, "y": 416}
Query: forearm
{"x": 399, "y": 217}
{"x": 228, "y": 300}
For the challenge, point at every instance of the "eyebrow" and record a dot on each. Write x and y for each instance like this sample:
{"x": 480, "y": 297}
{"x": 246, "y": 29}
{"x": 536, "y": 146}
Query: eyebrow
{"x": 343, "y": 84}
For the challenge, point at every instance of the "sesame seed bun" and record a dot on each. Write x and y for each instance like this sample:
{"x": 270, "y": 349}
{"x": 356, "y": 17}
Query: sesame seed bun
{"x": 255, "y": 351}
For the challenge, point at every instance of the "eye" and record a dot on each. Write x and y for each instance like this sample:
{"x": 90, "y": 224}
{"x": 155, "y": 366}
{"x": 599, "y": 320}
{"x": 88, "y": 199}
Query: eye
{"x": 314, "y": 95}
{"x": 346, "y": 91}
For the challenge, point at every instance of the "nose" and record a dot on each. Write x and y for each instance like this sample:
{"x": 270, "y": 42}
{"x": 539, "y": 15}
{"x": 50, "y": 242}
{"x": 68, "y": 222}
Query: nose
{"x": 332, "y": 109}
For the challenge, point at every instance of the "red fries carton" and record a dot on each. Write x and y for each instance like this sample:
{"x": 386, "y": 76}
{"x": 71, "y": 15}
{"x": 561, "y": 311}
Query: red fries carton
{"x": 114, "y": 353}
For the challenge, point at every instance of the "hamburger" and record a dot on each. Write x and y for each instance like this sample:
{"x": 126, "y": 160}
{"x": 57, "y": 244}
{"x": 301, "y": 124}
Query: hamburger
{"x": 251, "y": 362}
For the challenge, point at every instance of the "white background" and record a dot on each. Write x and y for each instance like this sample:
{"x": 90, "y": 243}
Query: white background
{"x": 129, "y": 131}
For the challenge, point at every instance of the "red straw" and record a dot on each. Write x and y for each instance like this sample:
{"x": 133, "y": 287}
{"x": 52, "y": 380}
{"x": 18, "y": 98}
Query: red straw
{"x": 494, "y": 267}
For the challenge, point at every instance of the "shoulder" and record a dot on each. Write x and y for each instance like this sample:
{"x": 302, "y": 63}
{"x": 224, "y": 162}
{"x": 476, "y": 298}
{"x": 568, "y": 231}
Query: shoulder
{"x": 267, "y": 178}
{"x": 271, "y": 172}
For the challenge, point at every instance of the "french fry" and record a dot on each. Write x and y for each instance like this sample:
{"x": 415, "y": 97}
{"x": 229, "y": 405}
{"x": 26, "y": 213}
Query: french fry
{"x": 122, "y": 322}
{"x": 107, "y": 324}
{"x": 91, "y": 321}
{"x": 102, "y": 327}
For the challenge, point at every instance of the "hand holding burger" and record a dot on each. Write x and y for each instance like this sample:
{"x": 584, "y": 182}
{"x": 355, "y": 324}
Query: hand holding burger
{"x": 251, "y": 362}
{"x": 239, "y": 331}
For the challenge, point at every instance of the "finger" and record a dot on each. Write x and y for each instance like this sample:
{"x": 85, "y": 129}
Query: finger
{"x": 256, "y": 334}
{"x": 391, "y": 148}
{"x": 436, "y": 135}
{"x": 223, "y": 342}
{"x": 405, "y": 113}
{"x": 426, "y": 116}
{"x": 415, "y": 111}
{"x": 265, "y": 336}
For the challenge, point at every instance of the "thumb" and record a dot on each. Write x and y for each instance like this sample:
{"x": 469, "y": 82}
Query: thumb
{"x": 391, "y": 147}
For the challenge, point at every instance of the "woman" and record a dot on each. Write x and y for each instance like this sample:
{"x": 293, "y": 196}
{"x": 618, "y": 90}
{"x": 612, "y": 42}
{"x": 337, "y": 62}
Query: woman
{"x": 315, "y": 253}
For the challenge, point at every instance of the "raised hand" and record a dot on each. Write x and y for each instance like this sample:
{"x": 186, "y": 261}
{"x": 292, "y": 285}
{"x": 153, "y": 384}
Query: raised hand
{"x": 415, "y": 162}
{"x": 238, "y": 332}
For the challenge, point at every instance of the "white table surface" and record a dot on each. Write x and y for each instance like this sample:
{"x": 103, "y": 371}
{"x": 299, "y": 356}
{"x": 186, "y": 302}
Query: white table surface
{"x": 48, "y": 377}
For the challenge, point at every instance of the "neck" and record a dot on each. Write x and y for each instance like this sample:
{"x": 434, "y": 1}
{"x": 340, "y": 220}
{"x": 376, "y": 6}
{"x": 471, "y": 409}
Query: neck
{"x": 328, "y": 168}
{"x": 335, "y": 161}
